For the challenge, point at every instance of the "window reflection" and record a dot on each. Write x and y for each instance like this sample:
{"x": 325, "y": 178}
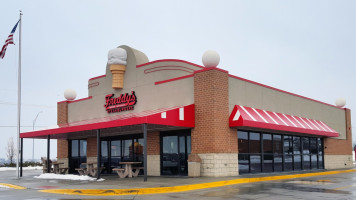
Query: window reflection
{"x": 265, "y": 152}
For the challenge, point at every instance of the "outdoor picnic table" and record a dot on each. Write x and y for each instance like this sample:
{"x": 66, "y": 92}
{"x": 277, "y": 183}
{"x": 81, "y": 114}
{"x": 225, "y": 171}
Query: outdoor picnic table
{"x": 129, "y": 170}
{"x": 89, "y": 170}
{"x": 57, "y": 169}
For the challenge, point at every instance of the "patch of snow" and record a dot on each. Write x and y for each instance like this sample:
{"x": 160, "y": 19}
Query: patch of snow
{"x": 3, "y": 186}
{"x": 67, "y": 177}
{"x": 24, "y": 168}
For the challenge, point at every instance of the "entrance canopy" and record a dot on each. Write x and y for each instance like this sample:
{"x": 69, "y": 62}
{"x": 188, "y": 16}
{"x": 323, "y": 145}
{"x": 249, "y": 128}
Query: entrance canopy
{"x": 243, "y": 116}
{"x": 177, "y": 117}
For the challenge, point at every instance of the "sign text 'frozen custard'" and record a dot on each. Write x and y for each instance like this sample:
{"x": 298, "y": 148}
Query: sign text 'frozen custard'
{"x": 122, "y": 103}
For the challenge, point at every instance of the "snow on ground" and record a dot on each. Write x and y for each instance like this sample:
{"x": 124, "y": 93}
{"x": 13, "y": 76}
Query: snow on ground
{"x": 24, "y": 168}
{"x": 67, "y": 177}
{"x": 3, "y": 186}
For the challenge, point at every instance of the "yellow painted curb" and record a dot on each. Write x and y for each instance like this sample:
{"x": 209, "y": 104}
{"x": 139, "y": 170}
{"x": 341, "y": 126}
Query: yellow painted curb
{"x": 13, "y": 186}
{"x": 182, "y": 188}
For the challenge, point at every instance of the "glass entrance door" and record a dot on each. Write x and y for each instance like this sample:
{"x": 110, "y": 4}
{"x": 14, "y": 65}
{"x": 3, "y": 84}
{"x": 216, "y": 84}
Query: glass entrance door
{"x": 175, "y": 150}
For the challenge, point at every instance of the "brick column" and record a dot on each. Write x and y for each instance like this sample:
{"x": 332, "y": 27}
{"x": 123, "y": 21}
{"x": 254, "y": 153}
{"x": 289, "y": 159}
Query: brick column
{"x": 153, "y": 154}
{"x": 212, "y": 138}
{"x": 91, "y": 149}
{"x": 338, "y": 152}
{"x": 62, "y": 144}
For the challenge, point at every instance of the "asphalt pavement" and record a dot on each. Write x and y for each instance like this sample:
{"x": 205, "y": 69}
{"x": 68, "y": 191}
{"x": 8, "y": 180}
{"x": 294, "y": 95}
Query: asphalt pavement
{"x": 339, "y": 184}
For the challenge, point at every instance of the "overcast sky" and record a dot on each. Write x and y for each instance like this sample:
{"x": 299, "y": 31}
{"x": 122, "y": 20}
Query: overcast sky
{"x": 304, "y": 47}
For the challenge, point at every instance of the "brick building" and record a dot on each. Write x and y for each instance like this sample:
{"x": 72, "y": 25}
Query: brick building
{"x": 161, "y": 112}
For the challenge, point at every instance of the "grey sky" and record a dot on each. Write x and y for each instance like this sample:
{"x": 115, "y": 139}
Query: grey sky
{"x": 304, "y": 47}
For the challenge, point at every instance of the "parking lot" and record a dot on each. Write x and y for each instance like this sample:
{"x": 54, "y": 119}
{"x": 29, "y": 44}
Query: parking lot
{"x": 334, "y": 186}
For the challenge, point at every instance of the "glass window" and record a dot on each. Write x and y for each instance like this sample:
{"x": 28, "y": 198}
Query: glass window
{"x": 243, "y": 163}
{"x": 104, "y": 148}
{"x": 313, "y": 146}
{"x": 182, "y": 144}
{"x": 116, "y": 148}
{"x": 75, "y": 146}
{"x": 288, "y": 163}
{"x": 255, "y": 143}
{"x": 267, "y": 162}
{"x": 255, "y": 161}
{"x": 189, "y": 149}
{"x": 83, "y": 148}
{"x": 306, "y": 147}
{"x": 242, "y": 141}
{"x": 127, "y": 148}
{"x": 297, "y": 162}
{"x": 267, "y": 143}
{"x": 278, "y": 164}
{"x": 277, "y": 144}
{"x": 314, "y": 161}
{"x": 296, "y": 145}
{"x": 320, "y": 162}
{"x": 287, "y": 145}
{"x": 170, "y": 144}
{"x": 306, "y": 161}
{"x": 266, "y": 152}
{"x": 320, "y": 146}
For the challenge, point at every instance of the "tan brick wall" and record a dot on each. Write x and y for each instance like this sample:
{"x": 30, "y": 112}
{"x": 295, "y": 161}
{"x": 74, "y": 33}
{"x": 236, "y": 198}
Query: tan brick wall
{"x": 91, "y": 147}
{"x": 212, "y": 133}
{"x": 338, "y": 161}
{"x": 153, "y": 143}
{"x": 62, "y": 148}
{"x": 219, "y": 164}
{"x": 340, "y": 146}
{"x": 153, "y": 165}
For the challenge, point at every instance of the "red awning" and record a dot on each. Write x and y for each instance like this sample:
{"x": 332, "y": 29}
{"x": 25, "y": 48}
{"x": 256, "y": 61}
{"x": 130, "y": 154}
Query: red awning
{"x": 243, "y": 116}
{"x": 178, "y": 116}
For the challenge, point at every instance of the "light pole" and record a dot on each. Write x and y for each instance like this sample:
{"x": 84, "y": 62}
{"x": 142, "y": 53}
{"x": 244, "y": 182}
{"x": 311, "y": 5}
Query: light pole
{"x": 33, "y": 140}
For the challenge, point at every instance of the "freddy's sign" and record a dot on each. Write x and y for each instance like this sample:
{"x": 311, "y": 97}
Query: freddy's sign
{"x": 122, "y": 103}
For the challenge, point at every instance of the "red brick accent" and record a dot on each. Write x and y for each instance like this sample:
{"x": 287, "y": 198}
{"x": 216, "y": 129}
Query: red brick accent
{"x": 153, "y": 143}
{"x": 212, "y": 133}
{"x": 338, "y": 146}
{"x": 91, "y": 147}
{"x": 62, "y": 118}
{"x": 62, "y": 113}
{"x": 62, "y": 148}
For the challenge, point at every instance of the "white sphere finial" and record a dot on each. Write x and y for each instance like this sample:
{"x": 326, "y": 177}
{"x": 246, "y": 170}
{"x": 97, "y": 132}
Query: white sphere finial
{"x": 70, "y": 94}
{"x": 211, "y": 58}
{"x": 340, "y": 102}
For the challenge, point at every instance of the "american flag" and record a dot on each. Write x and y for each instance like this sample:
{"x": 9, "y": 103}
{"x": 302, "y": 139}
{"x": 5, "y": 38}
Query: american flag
{"x": 9, "y": 40}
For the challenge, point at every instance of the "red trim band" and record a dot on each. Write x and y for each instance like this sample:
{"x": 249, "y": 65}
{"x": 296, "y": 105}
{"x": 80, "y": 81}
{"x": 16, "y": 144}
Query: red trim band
{"x": 174, "y": 79}
{"x": 97, "y": 77}
{"x": 169, "y": 60}
{"x": 210, "y": 68}
{"x": 83, "y": 99}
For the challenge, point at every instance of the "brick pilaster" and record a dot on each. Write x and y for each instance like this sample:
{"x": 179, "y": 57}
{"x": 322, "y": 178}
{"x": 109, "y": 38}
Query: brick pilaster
{"x": 91, "y": 147}
{"x": 62, "y": 118}
{"x": 212, "y": 133}
{"x": 153, "y": 146}
{"x": 340, "y": 146}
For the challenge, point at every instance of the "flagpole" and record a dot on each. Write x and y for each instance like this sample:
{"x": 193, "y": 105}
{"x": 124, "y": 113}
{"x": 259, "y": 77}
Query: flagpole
{"x": 19, "y": 101}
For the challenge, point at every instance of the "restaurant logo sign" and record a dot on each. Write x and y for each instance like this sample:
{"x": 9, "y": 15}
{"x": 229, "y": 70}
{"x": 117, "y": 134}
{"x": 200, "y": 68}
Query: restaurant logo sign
{"x": 122, "y": 103}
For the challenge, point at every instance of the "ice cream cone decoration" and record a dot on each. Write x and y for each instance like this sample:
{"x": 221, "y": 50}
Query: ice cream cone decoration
{"x": 117, "y": 61}
{"x": 117, "y": 75}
